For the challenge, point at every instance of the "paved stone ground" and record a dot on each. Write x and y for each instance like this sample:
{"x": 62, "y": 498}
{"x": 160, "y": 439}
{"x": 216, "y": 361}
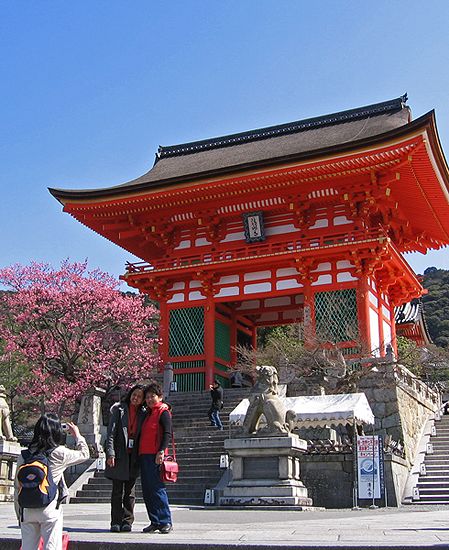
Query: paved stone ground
{"x": 410, "y": 527}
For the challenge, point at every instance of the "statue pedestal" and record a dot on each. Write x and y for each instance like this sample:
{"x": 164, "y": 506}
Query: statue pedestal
{"x": 265, "y": 471}
{"x": 9, "y": 451}
{"x": 90, "y": 420}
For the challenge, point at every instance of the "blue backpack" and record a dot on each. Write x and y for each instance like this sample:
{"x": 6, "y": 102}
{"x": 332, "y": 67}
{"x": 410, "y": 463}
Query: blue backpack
{"x": 36, "y": 486}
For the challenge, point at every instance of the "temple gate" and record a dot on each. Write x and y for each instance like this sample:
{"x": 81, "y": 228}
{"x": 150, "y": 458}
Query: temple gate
{"x": 304, "y": 222}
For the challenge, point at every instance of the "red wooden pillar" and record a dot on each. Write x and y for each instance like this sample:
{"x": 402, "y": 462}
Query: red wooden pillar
{"x": 209, "y": 341}
{"x": 309, "y": 316}
{"x": 380, "y": 312}
{"x": 394, "y": 341}
{"x": 233, "y": 339}
{"x": 254, "y": 337}
{"x": 363, "y": 314}
{"x": 164, "y": 322}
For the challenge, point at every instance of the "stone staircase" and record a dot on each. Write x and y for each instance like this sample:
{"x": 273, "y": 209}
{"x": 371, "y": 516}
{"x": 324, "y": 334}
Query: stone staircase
{"x": 198, "y": 450}
{"x": 434, "y": 485}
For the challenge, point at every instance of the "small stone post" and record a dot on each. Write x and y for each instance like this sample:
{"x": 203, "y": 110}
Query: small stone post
{"x": 90, "y": 420}
{"x": 168, "y": 378}
{"x": 9, "y": 451}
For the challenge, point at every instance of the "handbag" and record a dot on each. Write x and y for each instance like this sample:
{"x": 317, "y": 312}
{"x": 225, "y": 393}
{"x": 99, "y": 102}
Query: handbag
{"x": 169, "y": 467}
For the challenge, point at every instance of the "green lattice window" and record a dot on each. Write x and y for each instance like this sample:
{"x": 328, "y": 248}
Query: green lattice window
{"x": 188, "y": 364}
{"x": 186, "y": 333}
{"x": 336, "y": 315}
{"x": 222, "y": 340}
{"x": 192, "y": 381}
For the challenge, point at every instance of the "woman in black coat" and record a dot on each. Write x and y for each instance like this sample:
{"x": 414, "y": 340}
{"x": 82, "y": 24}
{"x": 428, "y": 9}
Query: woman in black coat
{"x": 122, "y": 466}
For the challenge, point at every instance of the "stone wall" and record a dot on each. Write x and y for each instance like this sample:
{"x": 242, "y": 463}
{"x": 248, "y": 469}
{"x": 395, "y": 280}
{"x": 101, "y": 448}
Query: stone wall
{"x": 401, "y": 404}
{"x": 329, "y": 480}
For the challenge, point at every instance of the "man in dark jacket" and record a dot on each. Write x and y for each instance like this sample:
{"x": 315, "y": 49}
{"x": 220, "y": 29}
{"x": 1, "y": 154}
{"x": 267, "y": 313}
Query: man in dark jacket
{"x": 216, "y": 393}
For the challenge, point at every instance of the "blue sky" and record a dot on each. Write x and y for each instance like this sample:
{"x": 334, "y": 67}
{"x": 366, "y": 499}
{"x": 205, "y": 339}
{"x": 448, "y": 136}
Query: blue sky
{"x": 91, "y": 88}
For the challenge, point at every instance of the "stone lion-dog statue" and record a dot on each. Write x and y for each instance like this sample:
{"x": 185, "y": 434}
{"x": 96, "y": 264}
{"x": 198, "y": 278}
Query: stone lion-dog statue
{"x": 264, "y": 401}
{"x": 5, "y": 423}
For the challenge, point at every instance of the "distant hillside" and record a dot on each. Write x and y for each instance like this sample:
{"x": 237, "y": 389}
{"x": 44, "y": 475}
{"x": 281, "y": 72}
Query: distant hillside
{"x": 436, "y": 305}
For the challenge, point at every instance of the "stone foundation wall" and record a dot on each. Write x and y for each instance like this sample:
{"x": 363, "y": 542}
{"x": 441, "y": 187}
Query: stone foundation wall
{"x": 329, "y": 480}
{"x": 401, "y": 404}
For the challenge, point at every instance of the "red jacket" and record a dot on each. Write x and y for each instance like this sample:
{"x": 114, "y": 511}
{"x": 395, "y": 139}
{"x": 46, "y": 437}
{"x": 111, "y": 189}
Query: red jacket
{"x": 151, "y": 434}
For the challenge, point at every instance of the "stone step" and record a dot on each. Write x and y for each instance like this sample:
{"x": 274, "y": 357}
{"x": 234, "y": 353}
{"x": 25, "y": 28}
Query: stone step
{"x": 431, "y": 501}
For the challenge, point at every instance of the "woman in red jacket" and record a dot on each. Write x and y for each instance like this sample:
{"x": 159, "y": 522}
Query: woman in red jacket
{"x": 154, "y": 440}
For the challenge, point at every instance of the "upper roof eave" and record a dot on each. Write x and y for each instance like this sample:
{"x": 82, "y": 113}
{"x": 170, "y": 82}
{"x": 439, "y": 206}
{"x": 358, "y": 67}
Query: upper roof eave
{"x": 426, "y": 121}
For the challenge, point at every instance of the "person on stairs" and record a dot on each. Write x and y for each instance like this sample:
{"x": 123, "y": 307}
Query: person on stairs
{"x": 154, "y": 441}
{"x": 216, "y": 393}
{"x": 122, "y": 465}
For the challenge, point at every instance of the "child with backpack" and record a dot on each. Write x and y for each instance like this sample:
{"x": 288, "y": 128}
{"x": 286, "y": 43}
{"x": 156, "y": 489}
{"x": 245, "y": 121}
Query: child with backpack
{"x": 39, "y": 483}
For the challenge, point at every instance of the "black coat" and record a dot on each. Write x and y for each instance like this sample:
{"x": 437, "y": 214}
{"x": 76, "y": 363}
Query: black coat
{"x": 117, "y": 444}
{"x": 217, "y": 398}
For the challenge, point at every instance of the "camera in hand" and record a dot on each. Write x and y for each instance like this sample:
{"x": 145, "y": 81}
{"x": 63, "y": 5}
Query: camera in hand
{"x": 64, "y": 426}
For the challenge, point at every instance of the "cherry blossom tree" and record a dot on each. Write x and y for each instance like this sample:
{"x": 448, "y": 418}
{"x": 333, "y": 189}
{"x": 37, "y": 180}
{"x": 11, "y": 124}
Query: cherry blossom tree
{"x": 75, "y": 329}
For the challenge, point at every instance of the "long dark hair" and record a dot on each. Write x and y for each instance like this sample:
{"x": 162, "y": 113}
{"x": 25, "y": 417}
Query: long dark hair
{"x": 47, "y": 435}
{"x": 127, "y": 399}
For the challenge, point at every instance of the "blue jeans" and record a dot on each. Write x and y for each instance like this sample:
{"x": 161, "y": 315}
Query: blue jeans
{"x": 154, "y": 493}
{"x": 215, "y": 418}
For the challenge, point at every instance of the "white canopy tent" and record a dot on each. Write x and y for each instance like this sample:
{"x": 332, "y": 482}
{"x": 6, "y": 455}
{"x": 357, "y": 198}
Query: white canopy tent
{"x": 314, "y": 411}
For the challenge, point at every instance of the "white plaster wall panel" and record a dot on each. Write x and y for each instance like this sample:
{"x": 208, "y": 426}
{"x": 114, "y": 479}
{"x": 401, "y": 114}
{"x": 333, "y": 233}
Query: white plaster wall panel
{"x": 341, "y": 220}
{"x": 178, "y": 286}
{"x": 195, "y": 295}
{"x": 299, "y": 299}
{"x": 320, "y": 223}
{"x": 195, "y": 284}
{"x": 286, "y": 272}
{"x": 285, "y": 284}
{"x": 257, "y": 287}
{"x": 325, "y": 266}
{"x": 387, "y": 333}
{"x": 281, "y": 229}
{"x": 228, "y": 291}
{"x": 374, "y": 331}
{"x": 178, "y": 297}
{"x": 257, "y": 275}
{"x": 250, "y": 304}
{"x": 228, "y": 279}
{"x": 344, "y": 264}
{"x": 183, "y": 244}
{"x": 281, "y": 301}
{"x": 240, "y": 236}
{"x": 345, "y": 276}
{"x": 269, "y": 316}
{"x": 323, "y": 280}
{"x": 202, "y": 241}
{"x": 291, "y": 314}
{"x": 386, "y": 312}
{"x": 373, "y": 299}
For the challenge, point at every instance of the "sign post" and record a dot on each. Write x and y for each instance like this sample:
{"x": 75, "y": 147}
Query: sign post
{"x": 370, "y": 471}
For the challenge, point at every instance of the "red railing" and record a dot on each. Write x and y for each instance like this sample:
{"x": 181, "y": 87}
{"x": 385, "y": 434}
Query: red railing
{"x": 258, "y": 250}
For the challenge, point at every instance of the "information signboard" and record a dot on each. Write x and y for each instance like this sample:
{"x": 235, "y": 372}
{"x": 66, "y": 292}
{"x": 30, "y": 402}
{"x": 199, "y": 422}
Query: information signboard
{"x": 370, "y": 471}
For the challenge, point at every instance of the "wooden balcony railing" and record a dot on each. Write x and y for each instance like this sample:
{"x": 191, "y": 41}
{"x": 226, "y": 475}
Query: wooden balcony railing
{"x": 258, "y": 250}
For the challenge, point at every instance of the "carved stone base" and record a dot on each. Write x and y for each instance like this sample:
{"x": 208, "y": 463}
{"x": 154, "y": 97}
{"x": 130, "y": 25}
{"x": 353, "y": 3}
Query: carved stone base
{"x": 265, "y": 471}
{"x": 9, "y": 451}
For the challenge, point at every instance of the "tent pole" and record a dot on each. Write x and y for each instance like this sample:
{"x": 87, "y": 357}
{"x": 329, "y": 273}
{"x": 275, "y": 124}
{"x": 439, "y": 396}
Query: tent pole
{"x": 356, "y": 467}
{"x": 373, "y": 505}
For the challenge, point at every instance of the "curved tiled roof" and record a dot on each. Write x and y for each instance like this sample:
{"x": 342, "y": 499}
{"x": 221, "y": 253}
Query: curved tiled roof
{"x": 263, "y": 146}
{"x": 412, "y": 313}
